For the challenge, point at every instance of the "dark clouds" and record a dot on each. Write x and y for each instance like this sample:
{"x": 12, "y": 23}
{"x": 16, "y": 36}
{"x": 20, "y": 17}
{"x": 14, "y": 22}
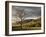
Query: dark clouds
{"x": 30, "y": 11}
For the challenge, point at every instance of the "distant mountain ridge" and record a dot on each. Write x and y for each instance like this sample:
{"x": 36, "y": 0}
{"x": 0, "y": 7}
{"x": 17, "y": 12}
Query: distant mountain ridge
{"x": 29, "y": 20}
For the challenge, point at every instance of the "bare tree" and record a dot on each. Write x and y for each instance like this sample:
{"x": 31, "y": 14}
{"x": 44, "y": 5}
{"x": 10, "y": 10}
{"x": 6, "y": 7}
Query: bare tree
{"x": 20, "y": 14}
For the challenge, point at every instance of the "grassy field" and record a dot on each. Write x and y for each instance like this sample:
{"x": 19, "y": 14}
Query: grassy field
{"x": 30, "y": 24}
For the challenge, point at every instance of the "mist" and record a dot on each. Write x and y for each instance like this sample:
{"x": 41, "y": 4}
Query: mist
{"x": 30, "y": 12}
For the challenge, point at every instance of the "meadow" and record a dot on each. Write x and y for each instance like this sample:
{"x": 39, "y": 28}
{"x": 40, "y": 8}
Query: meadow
{"x": 30, "y": 24}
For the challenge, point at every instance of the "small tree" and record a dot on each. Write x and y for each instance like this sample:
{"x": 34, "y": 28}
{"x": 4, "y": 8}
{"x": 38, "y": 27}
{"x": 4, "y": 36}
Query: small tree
{"x": 20, "y": 14}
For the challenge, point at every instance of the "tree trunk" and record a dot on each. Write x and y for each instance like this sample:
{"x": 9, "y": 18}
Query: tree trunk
{"x": 21, "y": 23}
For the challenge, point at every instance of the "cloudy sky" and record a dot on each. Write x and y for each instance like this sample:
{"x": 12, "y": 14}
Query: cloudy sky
{"x": 30, "y": 12}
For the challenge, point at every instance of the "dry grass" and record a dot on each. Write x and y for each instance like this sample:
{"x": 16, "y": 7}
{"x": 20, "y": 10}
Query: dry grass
{"x": 32, "y": 25}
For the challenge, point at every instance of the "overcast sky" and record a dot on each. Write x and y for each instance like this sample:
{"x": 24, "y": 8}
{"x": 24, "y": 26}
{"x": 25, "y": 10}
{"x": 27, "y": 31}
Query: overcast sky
{"x": 30, "y": 11}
